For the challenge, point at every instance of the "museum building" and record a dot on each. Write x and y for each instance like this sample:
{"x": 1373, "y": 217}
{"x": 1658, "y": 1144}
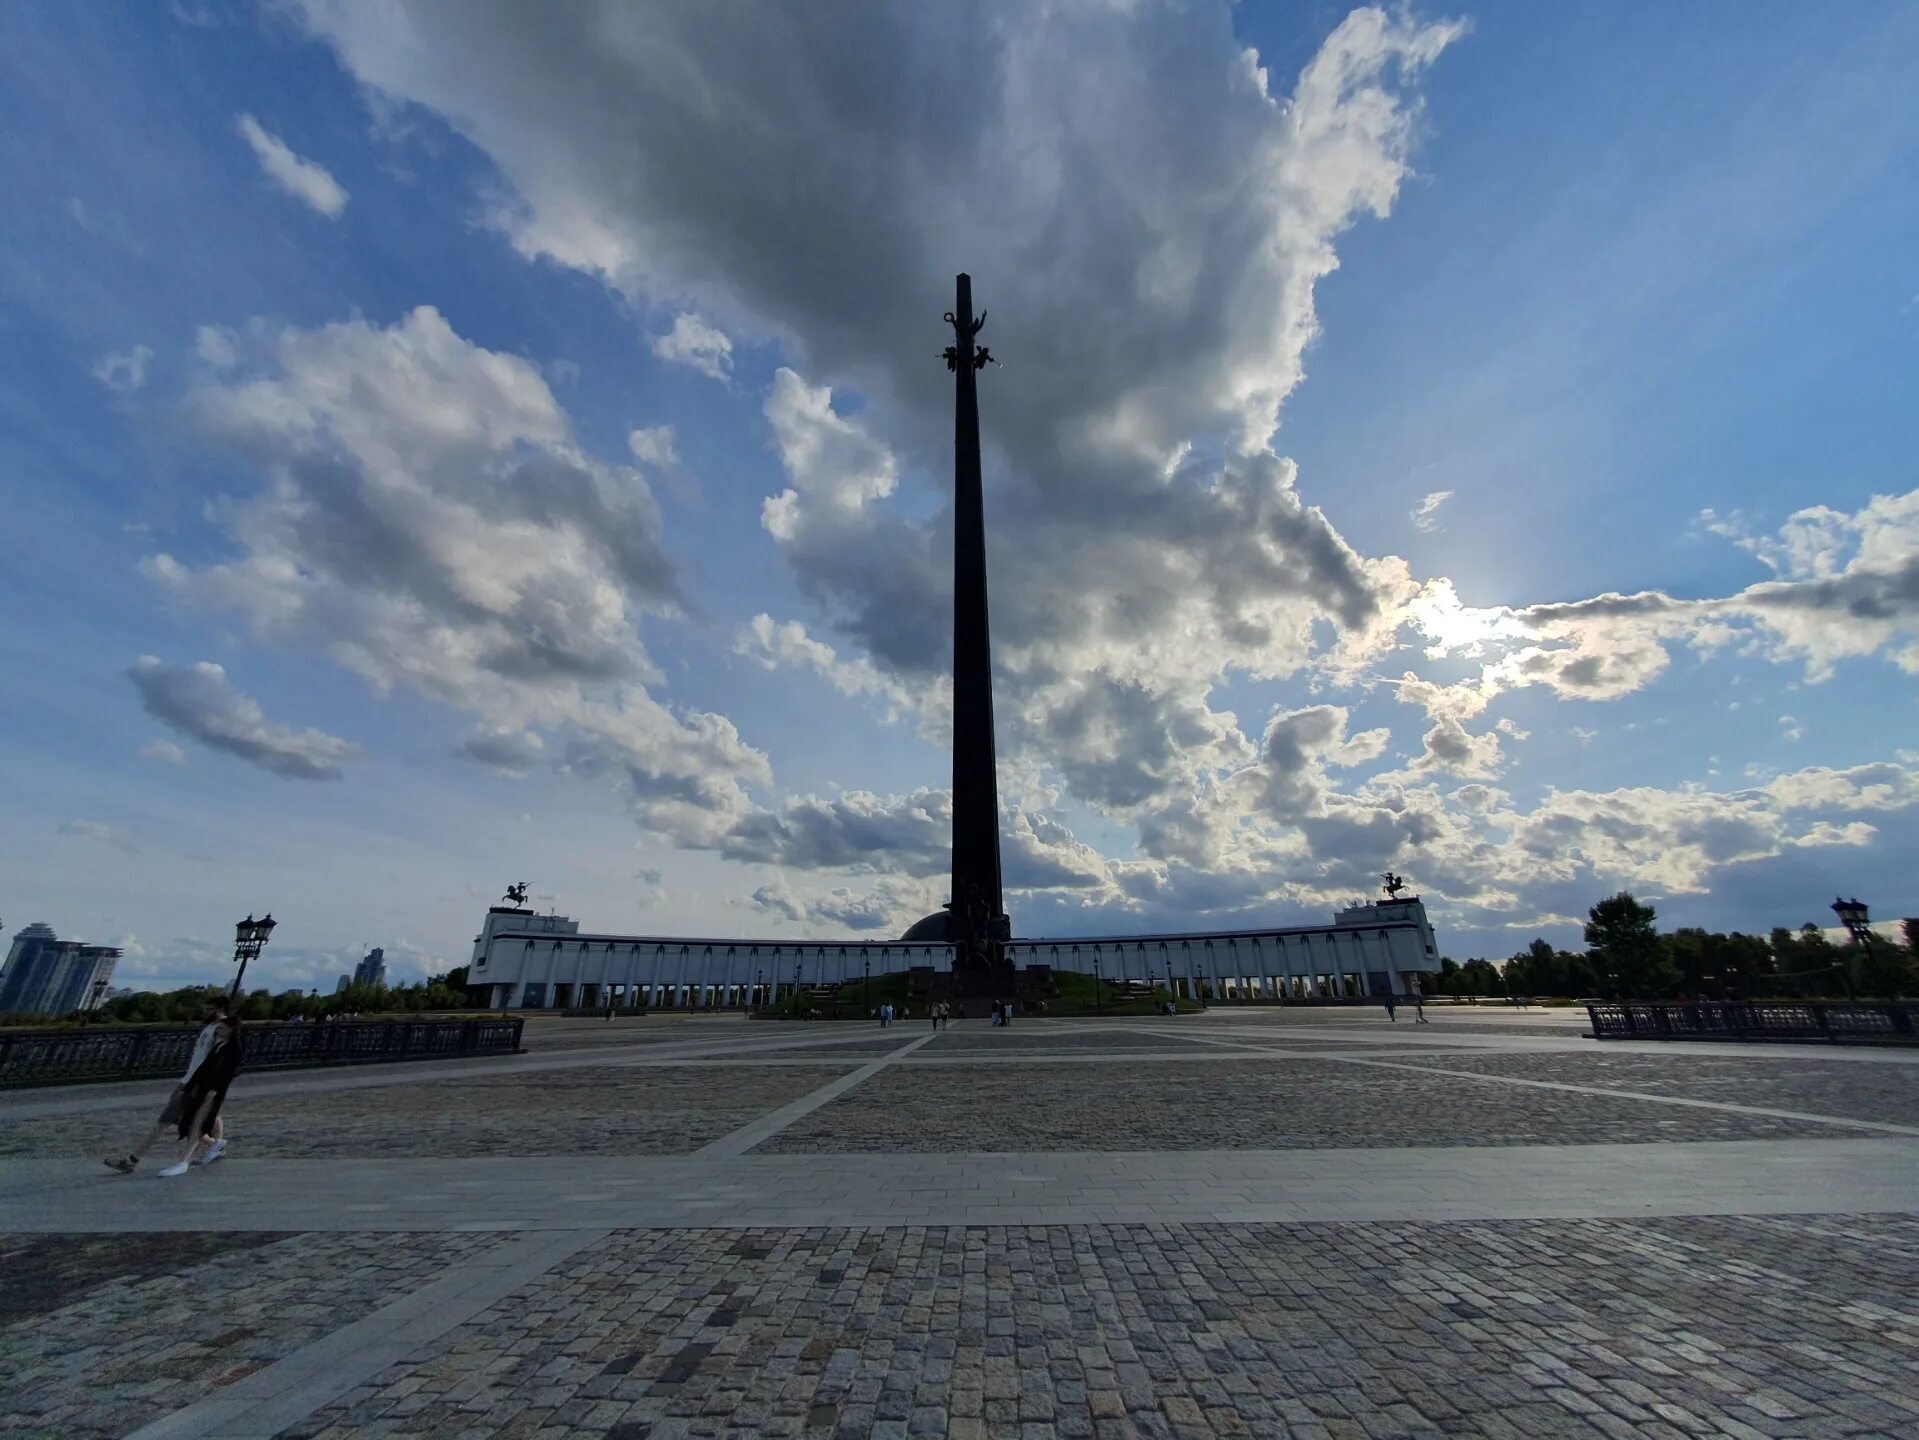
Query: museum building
{"x": 527, "y": 961}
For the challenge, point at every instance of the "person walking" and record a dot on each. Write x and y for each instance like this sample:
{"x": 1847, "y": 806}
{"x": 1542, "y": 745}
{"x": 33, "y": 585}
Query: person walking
{"x": 194, "y": 1106}
{"x": 1419, "y": 1006}
{"x": 1391, "y": 1014}
{"x": 170, "y": 1112}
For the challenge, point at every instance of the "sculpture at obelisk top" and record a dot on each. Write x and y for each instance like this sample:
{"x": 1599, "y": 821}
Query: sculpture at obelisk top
{"x": 975, "y": 920}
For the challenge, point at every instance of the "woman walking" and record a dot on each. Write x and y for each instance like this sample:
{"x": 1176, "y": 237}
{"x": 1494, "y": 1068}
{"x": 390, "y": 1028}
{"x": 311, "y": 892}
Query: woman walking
{"x": 194, "y": 1107}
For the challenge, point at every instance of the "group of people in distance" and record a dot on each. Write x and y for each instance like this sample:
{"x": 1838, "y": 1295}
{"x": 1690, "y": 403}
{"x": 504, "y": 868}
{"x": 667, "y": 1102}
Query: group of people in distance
{"x": 938, "y": 1012}
{"x": 193, "y": 1109}
{"x": 1419, "y": 1004}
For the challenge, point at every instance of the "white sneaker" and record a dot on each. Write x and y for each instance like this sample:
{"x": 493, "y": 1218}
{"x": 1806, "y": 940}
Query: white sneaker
{"x": 213, "y": 1153}
{"x": 177, "y": 1169}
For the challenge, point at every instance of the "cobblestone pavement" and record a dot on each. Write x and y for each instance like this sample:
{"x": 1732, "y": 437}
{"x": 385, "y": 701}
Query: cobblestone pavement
{"x": 1636, "y": 1329}
{"x": 1295, "y": 1104}
{"x": 1072, "y": 1046}
{"x": 177, "y": 1316}
{"x": 542, "y": 1033}
{"x": 1645, "y": 1329}
{"x": 49, "y": 1272}
{"x": 598, "y": 1110}
{"x": 1798, "y": 1080}
{"x": 1569, "y": 1024}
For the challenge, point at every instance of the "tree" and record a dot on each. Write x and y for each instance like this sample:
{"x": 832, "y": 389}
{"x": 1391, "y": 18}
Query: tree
{"x": 1909, "y": 928}
{"x": 1883, "y": 969}
{"x": 1541, "y": 970}
{"x": 1627, "y": 949}
{"x": 1808, "y": 963}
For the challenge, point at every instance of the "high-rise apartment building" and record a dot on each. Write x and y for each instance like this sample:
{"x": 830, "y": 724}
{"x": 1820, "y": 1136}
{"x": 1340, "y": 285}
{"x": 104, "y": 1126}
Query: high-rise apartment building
{"x": 46, "y": 975}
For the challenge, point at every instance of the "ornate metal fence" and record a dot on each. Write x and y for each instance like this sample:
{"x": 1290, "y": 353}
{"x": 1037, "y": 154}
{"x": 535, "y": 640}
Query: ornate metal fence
{"x": 1876, "y": 1022}
{"x": 56, "y": 1056}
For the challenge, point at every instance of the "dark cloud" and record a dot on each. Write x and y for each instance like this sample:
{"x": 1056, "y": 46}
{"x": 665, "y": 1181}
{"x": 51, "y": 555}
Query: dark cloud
{"x": 910, "y": 834}
{"x": 1145, "y": 221}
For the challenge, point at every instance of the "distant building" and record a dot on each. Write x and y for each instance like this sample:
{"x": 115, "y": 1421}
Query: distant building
{"x": 524, "y": 961}
{"x": 45, "y": 975}
{"x": 372, "y": 968}
{"x": 345, "y": 980}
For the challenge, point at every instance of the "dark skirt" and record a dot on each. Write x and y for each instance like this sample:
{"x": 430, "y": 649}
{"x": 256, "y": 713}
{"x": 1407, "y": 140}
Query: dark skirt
{"x": 209, "y": 1082}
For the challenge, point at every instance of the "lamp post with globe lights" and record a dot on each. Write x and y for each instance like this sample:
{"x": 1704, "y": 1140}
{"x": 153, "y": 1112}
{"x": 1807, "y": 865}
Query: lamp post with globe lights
{"x": 249, "y": 938}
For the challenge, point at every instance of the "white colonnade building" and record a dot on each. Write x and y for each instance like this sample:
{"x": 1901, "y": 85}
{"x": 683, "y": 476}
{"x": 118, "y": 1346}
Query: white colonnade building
{"x": 526, "y": 961}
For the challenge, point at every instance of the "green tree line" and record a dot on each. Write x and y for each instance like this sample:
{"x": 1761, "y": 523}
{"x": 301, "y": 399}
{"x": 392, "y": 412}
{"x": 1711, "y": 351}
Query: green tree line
{"x": 1628, "y": 957}
{"x": 189, "y": 1003}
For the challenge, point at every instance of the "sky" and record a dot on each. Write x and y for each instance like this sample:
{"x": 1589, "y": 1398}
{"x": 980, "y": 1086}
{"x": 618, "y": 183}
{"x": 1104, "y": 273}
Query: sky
{"x": 447, "y": 446}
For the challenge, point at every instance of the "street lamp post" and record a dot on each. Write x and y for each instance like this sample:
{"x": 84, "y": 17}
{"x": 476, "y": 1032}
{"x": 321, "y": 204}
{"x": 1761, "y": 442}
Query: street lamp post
{"x": 1852, "y": 915}
{"x": 249, "y": 938}
{"x": 759, "y": 988}
{"x": 1099, "y": 1001}
{"x": 866, "y": 984}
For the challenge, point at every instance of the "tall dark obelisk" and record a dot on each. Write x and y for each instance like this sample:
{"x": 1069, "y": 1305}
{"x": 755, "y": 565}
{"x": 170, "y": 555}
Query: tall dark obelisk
{"x": 979, "y": 922}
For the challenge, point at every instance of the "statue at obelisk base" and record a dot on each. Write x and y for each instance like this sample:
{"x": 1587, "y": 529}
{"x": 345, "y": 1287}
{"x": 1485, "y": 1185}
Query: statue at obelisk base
{"x": 975, "y": 920}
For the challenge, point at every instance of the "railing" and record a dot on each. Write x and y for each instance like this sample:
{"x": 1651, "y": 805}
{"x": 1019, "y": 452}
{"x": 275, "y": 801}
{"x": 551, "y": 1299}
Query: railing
{"x": 56, "y": 1056}
{"x": 1863, "y": 1022}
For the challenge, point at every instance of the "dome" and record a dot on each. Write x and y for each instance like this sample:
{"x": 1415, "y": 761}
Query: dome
{"x": 935, "y": 929}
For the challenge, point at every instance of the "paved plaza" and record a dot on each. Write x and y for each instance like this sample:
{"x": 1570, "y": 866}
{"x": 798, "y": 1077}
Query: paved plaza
{"x": 1248, "y": 1223}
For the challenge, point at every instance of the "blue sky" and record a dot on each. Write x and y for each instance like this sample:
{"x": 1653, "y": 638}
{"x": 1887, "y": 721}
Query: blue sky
{"x": 440, "y": 405}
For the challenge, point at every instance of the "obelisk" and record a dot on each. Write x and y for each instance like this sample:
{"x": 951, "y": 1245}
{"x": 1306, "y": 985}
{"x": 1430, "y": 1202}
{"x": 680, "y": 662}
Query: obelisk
{"x": 979, "y": 922}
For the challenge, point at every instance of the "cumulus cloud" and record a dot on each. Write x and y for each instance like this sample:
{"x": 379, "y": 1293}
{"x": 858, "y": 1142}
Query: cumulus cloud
{"x": 858, "y": 830}
{"x": 1425, "y": 515}
{"x": 1161, "y": 213}
{"x": 504, "y": 751}
{"x": 1848, "y": 588}
{"x": 886, "y": 907}
{"x": 165, "y": 751}
{"x": 125, "y": 373}
{"x": 216, "y": 346}
{"x": 1146, "y": 540}
{"x": 693, "y": 342}
{"x": 302, "y": 179}
{"x": 427, "y": 517}
{"x": 778, "y": 646}
{"x": 199, "y": 702}
{"x": 653, "y": 445}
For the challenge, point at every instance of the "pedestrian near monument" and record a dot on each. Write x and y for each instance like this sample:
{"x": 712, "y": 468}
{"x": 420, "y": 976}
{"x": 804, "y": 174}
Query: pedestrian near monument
{"x": 1419, "y": 1006}
{"x": 1391, "y": 1013}
{"x": 193, "y": 1109}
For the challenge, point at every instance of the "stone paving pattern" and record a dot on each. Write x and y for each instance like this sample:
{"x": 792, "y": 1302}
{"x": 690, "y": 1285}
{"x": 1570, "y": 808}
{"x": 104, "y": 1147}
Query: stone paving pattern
{"x": 1291, "y": 1104}
{"x": 1640, "y": 1329}
{"x": 180, "y": 1315}
{"x": 1803, "y": 1079}
{"x": 590, "y": 1110}
{"x": 1444, "y": 1019}
{"x": 1024, "y": 1035}
{"x": 1617, "y": 1330}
